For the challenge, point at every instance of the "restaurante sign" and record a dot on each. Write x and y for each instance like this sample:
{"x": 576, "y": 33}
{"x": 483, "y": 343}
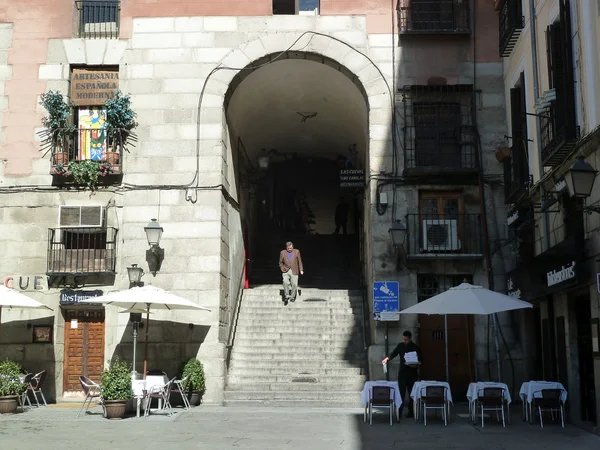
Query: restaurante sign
{"x": 93, "y": 87}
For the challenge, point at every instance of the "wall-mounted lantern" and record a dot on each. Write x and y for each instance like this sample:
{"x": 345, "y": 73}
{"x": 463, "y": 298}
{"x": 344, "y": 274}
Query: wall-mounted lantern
{"x": 156, "y": 255}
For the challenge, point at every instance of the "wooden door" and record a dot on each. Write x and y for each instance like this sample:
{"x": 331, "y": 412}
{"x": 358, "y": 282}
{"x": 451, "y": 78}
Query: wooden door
{"x": 84, "y": 347}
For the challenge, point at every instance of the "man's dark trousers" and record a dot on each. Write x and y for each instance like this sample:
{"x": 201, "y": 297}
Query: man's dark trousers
{"x": 407, "y": 378}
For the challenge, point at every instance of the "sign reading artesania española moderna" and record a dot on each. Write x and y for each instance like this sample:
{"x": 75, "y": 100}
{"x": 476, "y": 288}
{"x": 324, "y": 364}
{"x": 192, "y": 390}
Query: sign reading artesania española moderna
{"x": 93, "y": 87}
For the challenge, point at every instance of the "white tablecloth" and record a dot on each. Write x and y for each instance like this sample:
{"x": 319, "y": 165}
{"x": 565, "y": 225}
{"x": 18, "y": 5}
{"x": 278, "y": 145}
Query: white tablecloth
{"x": 474, "y": 389}
{"x": 529, "y": 388}
{"x": 149, "y": 383}
{"x": 394, "y": 392}
{"x": 419, "y": 385}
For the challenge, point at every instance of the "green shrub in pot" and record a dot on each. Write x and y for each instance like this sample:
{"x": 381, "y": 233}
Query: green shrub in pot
{"x": 197, "y": 385}
{"x": 10, "y": 385}
{"x": 115, "y": 388}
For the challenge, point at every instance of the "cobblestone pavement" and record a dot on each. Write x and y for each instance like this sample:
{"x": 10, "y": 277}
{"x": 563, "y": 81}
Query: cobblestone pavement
{"x": 212, "y": 427}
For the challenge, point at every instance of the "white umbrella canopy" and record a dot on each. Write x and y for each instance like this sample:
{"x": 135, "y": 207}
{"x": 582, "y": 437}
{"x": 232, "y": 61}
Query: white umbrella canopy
{"x": 145, "y": 298}
{"x": 467, "y": 299}
{"x": 11, "y": 298}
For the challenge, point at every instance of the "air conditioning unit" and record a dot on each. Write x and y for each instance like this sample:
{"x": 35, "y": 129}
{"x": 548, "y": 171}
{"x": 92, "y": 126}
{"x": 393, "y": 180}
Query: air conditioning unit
{"x": 440, "y": 235}
{"x": 81, "y": 216}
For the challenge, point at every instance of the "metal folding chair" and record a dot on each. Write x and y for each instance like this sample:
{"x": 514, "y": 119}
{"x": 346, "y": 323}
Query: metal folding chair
{"x": 91, "y": 391}
{"x": 491, "y": 399}
{"x": 551, "y": 401}
{"x": 35, "y": 386}
{"x": 181, "y": 386}
{"x": 161, "y": 393}
{"x": 24, "y": 397}
{"x": 434, "y": 397}
{"x": 381, "y": 397}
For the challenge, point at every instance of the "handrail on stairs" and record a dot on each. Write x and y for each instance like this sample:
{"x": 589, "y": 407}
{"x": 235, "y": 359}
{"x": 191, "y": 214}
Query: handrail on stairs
{"x": 235, "y": 312}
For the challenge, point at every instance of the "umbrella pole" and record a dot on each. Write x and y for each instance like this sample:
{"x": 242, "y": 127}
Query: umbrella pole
{"x": 135, "y": 334}
{"x": 146, "y": 341}
{"x": 495, "y": 322}
{"x": 446, "y": 344}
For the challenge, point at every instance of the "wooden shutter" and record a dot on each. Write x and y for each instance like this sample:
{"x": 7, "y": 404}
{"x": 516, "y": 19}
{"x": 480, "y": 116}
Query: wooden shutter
{"x": 549, "y": 58}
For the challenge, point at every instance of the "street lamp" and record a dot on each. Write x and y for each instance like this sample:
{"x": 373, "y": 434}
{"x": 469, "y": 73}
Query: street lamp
{"x": 155, "y": 255}
{"x": 263, "y": 160}
{"x": 580, "y": 178}
{"x": 135, "y": 274}
{"x": 398, "y": 234}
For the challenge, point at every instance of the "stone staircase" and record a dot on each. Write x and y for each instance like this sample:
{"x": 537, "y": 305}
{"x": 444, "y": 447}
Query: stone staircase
{"x": 309, "y": 353}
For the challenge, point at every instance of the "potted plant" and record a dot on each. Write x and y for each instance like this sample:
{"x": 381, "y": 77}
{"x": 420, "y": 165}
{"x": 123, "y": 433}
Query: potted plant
{"x": 120, "y": 120}
{"x": 115, "y": 388}
{"x": 57, "y": 124}
{"x": 87, "y": 173}
{"x": 10, "y": 386}
{"x": 197, "y": 385}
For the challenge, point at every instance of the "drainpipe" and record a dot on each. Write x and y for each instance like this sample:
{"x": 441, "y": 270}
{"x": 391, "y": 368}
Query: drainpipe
{"x": 576, "y": 38}
{"x": 589, "y": 64}
{"x": 538, "y": 128}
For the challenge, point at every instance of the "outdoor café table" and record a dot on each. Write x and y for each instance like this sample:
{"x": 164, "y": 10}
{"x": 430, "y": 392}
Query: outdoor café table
{"x": 531, "y": 388}
{"x": 139, "y": 386}
{"x": 473, "y": 392}
{"x": 415, "y": 394}
{"x": 365, "y": 395}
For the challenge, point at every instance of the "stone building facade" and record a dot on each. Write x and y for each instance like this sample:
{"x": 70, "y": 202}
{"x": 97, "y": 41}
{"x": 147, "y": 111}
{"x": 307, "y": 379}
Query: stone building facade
{"x": 416, "y": 92}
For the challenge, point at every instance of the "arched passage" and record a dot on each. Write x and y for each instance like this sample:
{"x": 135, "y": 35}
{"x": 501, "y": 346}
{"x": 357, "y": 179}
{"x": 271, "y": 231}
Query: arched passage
{"x": 307, "y": 116}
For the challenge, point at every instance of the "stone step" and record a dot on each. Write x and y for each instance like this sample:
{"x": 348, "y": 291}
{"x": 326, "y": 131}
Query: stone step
{"x": 290, "y": 344}
{"x": 300, "y": 354}
{"x": 298, "y": 365}
{"x": 261, "y": 386}
{"x": 308, "y": 330}
{"x": 304, "y": 314}
{"x": 342, "y": 404}
{"x": 287, "y": 372}
{"x": 332, "y": 336}
{"x": 266, "y": 396}
{"x": 306, "y": 291}
{"x": 315, "y": 321}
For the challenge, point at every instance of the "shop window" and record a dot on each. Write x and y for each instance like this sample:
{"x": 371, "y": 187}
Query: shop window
{"x": 295, "y": 7}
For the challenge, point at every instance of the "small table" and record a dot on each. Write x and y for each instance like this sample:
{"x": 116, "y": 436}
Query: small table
{"x": 474, "y": 389}
{"x": 529, "y": 389}
{"x": 415, "y": 394}
{"x": 142, "y": 387}
{"x": 365, "y": 395}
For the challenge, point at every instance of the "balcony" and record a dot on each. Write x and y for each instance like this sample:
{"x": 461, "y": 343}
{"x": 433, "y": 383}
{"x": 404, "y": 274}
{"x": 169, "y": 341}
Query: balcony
{"x": 68, "y": 146}
{"x": 456, "y": 236}
{"x": 98, "y": 19}
{"x": 511, "y": 25}
{"x": 439, "y": 132}
{"x": 434, "y": 17}
{"x": 558, "y": 135}
{"x": 81, "y": 250}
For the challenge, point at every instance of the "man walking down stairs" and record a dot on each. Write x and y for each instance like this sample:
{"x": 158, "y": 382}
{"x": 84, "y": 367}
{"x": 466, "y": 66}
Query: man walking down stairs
{"x": 310, "y": 353}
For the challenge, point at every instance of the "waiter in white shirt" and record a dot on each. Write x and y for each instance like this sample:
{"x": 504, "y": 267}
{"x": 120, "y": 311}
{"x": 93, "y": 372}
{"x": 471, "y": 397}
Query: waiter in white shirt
{"x": 409, "y": 371}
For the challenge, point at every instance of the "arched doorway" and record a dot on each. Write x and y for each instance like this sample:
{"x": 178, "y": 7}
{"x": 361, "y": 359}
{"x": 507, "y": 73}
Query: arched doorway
{"x": 294, "y": 120}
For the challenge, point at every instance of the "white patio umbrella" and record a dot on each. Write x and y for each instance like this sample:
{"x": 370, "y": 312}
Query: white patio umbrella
{"x": 468, "y": 299}
{"x": 11, "y": 298}
{"x": 145, "y": 298}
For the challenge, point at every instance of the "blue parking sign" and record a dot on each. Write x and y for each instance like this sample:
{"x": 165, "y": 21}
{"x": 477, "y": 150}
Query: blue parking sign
{"x": 386, "y": 300}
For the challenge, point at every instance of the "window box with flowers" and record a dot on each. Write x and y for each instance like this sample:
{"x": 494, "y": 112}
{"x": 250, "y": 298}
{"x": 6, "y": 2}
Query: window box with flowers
{"x": 87, "y": 153}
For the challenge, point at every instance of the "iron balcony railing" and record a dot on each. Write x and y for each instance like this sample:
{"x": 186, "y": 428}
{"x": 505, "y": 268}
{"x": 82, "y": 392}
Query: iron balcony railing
{"x": 77, "y": 144}
{"x": 82, "y": 250}
{"x": 448, "y": 236}
{"x": 511, "y": 24}
{"x": 98, "y": 19}
{"x": 440, "y": 148}
{"x": 434, "y": 17}
{"x": 558, "y": 136}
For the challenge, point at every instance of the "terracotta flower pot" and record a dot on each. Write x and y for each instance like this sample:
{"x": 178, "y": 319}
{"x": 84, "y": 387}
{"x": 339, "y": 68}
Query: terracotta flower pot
{"x": 115, "y": 409}
{"x": 8, "y": 404}
{"x": 61, "y": 158}
{"x": 112, "y": 157}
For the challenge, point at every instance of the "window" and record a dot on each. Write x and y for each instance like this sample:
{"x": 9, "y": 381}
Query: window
{"x": 295, "y": 7}
{"x": 438, "y": 205}
{"x": 437, "y": 128}
{"x": 434, "y": 16}
{"x": 429, "y": 285}
{"x": 516, "y": 169}
{"x": 98, "y": 19}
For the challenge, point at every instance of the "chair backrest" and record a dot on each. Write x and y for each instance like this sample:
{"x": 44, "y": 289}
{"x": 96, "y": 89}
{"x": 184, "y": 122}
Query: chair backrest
{"x": 27, "y": 379}
{"x": 38, "y": 380}
{"x": 552, "y": 395}
{"x": 156, "y": 372}
{"x": 491, "y": 396}
{"x": 85, "y": 384}
{"x": 434, "y": 394}
{"x": 185, "y": 382}
{"x": 381, "y": 395}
